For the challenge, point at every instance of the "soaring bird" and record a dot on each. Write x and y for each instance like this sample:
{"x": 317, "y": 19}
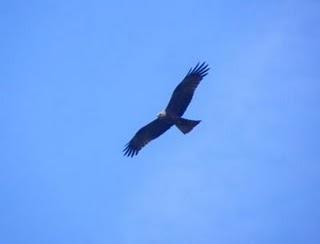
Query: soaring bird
{"x": 172, "y": 115}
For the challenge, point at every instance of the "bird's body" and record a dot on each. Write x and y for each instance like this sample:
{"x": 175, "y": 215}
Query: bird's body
{"x": 172, "y": 115}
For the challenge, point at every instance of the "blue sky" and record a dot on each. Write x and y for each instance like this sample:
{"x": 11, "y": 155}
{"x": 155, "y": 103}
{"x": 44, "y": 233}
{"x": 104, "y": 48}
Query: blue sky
{"x": 78, "y": 78}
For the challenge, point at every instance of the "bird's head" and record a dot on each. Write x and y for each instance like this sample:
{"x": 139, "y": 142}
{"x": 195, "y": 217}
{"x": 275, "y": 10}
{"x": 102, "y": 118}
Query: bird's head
{"x": 161, "y": 114}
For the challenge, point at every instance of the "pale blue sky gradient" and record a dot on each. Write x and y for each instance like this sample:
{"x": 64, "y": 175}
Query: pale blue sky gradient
{"x": 78, "y": 78}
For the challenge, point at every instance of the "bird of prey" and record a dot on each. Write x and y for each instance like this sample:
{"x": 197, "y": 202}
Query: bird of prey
{"x": 172, "y": 115}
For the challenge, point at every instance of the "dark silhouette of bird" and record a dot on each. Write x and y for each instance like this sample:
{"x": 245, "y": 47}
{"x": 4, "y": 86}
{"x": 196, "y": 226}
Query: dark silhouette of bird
{"x": 172, "y": 115}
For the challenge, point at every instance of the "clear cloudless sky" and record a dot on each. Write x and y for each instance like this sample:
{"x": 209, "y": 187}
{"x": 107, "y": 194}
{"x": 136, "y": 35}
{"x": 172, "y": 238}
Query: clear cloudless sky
{"x": 79, "y": 78}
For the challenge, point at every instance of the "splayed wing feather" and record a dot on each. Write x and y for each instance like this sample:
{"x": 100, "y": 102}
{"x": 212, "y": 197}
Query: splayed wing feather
{"x": 183, "y": 93}
{"x": 147, "y": 133}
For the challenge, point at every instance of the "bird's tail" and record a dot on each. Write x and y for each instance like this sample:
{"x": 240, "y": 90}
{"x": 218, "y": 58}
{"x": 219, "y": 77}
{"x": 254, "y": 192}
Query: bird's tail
{"x": 186, "y": 125}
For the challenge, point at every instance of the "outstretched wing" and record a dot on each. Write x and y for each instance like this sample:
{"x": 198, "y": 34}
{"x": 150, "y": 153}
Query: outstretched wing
{"x": 183, "y": 93}
{"x": 145, "y": 135}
